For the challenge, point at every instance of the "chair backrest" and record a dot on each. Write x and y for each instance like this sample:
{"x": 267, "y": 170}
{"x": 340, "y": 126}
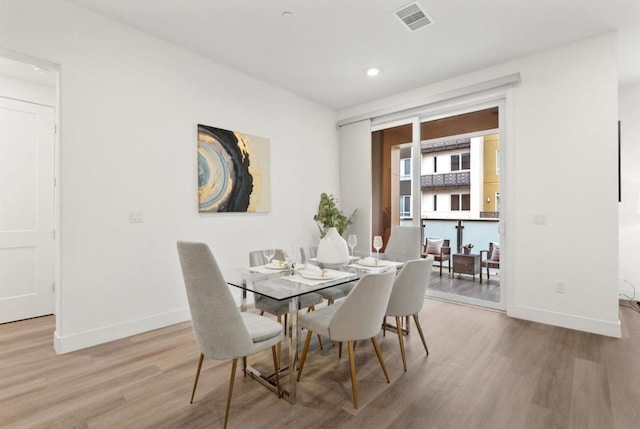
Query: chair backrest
{"x": 360, "y": 315}
{"x": 219, "y": 329}
{"x": 306, "y": 253}
{"x": 494, "y": 252}
{"x": 445, "y": 248}
{"x": 409, "y": 287}
{"x": 256, "y": 257}
{"x": 404, "y": 243}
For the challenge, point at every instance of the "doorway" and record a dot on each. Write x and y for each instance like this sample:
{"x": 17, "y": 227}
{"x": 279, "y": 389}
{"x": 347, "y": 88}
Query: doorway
{"x": 28, "y": 100}
{"x": 454, "y": 192}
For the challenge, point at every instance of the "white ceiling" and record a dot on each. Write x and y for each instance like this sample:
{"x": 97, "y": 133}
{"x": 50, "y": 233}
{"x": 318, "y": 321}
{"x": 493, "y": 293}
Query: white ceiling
{"x": 324, "y": 49}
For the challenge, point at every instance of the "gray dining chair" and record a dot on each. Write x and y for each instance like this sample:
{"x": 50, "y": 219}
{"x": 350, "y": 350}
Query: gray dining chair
{"x": 407, "y": 297}
{"x": 221, "y": 330}
{"x": 357, "y": 318}
{"x": 333, "y": 293}
{"x": 273, "y": 306}
{"x": 404, "y": 244}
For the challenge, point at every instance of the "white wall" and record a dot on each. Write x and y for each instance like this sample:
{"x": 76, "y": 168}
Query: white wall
{"x": 561, "y": 162}
{"x": 27, "y": 91}
{"x": 130, "y": 105}
{"x": 630, "y": 174}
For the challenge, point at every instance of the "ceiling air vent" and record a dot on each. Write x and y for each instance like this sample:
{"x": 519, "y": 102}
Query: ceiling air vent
{"x": 413, "y": 16}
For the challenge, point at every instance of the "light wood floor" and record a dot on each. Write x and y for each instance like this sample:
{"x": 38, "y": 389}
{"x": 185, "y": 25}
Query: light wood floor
{"x": 465, "y": 285}
{"x": 485, "y": 370}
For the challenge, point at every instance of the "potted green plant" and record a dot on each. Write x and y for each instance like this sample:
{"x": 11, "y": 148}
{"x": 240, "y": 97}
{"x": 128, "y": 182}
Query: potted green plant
{"x": 330, "y": 216}
{"x": 332, "y": 223}
{"x": 467, "y": 248}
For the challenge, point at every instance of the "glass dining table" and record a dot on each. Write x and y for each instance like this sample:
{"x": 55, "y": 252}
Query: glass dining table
{"x": 281, "y": 285}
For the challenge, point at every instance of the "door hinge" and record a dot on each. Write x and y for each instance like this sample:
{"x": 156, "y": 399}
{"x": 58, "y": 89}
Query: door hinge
{"x": 55, "y": 129}
{"x": 53, "y": 286}
{"x": 55, "y": 182}
{"x": 54, "y": 234}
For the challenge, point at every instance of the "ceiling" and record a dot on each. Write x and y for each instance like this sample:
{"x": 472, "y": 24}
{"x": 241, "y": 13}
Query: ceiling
{"x": 324, "y": 48}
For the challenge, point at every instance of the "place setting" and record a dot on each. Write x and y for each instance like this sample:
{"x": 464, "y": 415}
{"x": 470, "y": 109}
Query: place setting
{"x": 313, "y": 275}
{"x": 374, "y": 264}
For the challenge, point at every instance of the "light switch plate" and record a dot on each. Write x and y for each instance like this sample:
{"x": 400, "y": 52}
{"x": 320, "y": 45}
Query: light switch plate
{"x": 136, "y": 216}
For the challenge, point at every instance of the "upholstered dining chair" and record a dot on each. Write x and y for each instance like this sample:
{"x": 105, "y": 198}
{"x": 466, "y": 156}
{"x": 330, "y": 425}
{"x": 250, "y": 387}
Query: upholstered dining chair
{"x": 221, "y": 330}
{"x": 273, "y": 306}
{"x": 407, "y": 297}
{"x": 404, "y": 243}
{"x": 490, "y": 258}
{"x": 440, "y": 249}
{"x": 357, "y": 318}
{"x": 333, "y": 293}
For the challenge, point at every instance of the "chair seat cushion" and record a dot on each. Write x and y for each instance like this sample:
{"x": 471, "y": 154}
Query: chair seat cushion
{"x": 261, "y": 328}
{"x": 491, "y": 264}
{"x": 318, "y": 321}
{"x": 278, "y": 308}
{"x": 336, "y": 292}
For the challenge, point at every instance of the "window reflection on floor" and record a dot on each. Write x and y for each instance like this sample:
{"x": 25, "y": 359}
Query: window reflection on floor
{"x": 464, "y": 285}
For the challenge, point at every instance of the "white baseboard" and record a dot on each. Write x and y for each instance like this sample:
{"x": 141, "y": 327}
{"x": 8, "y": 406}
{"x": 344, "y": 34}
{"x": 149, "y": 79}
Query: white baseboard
{"x": 69, "y": 343}
{"x": 596, "y": 326}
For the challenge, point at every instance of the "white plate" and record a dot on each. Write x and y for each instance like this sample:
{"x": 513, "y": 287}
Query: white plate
{"x": 271, "y": 266}
{"x": 316, "y": 276}
{"x": 372, "y": 264}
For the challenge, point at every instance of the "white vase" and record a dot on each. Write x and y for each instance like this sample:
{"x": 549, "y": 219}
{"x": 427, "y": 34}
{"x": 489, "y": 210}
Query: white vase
{"x": 333, "y": 249}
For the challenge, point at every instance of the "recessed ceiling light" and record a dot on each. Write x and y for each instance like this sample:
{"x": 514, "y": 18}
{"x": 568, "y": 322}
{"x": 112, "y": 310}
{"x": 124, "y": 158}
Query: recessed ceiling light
{"x": 373, "y": 71}
{"x": 286, "y": 14}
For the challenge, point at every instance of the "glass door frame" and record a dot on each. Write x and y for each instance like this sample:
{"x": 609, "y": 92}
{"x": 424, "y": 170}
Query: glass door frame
{"x": 499, "y": 99}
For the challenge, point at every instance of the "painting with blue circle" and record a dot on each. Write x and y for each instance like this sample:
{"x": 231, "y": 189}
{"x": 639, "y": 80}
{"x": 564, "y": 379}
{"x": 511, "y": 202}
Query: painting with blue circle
{"x": 233, "y": 171}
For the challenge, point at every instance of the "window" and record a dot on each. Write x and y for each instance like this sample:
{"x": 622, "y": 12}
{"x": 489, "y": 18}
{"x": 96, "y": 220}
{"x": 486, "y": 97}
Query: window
{"x": 405, "y": 206}
{"x": 405, "y": 169}
{"x": 460, "y": 202}
{"x": 461, "y": 161}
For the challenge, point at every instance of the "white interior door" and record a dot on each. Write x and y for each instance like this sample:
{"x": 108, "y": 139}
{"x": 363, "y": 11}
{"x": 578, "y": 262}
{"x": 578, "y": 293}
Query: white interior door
{"x": 26, "y": 210}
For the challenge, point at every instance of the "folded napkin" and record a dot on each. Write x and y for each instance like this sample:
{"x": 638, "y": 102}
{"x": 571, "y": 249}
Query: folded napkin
{"x": 279, "y": 263}
{"x": 314, "y": 270}
{"x": 369, "y": 260}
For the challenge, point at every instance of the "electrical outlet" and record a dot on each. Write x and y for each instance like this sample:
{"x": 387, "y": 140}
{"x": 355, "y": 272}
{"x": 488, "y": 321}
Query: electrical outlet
{"x": 561, "y": 287}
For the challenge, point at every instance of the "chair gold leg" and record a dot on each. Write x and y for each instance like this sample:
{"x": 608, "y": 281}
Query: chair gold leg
{"x": 313, "y": 308}
{"x": 404, "y": 356}
{"x": 276, "y": 367}
{"x": 377, "y": 348}
{"x": 261, "y": 312}
{"x": 195, "y": 383}
{"x": 305, "y": 349}
{"x": 424, "y": 343}
{"x": 233, "y": 374}
{"x": 384, "y": 326}
{"x": 352, "y": 369}
{"x": 339, "y": 349}
{"x": 244, "y": 365}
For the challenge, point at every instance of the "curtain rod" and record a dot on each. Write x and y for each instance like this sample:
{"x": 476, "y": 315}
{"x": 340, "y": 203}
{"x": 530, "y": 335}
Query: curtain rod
{"x": 503, "y": 81}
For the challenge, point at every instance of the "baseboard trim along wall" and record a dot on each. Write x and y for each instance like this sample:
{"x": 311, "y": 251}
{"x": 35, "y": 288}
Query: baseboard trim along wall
{"x": 596, "y": 326}
{"x": 94, "y": 337}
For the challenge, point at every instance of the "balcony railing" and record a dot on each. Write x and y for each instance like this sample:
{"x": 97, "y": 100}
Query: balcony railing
{"x": 446, "y": 180}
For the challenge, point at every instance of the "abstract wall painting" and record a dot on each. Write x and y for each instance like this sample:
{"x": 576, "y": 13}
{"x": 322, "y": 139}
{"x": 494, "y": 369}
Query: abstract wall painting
{"x": 233, "y": 171}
